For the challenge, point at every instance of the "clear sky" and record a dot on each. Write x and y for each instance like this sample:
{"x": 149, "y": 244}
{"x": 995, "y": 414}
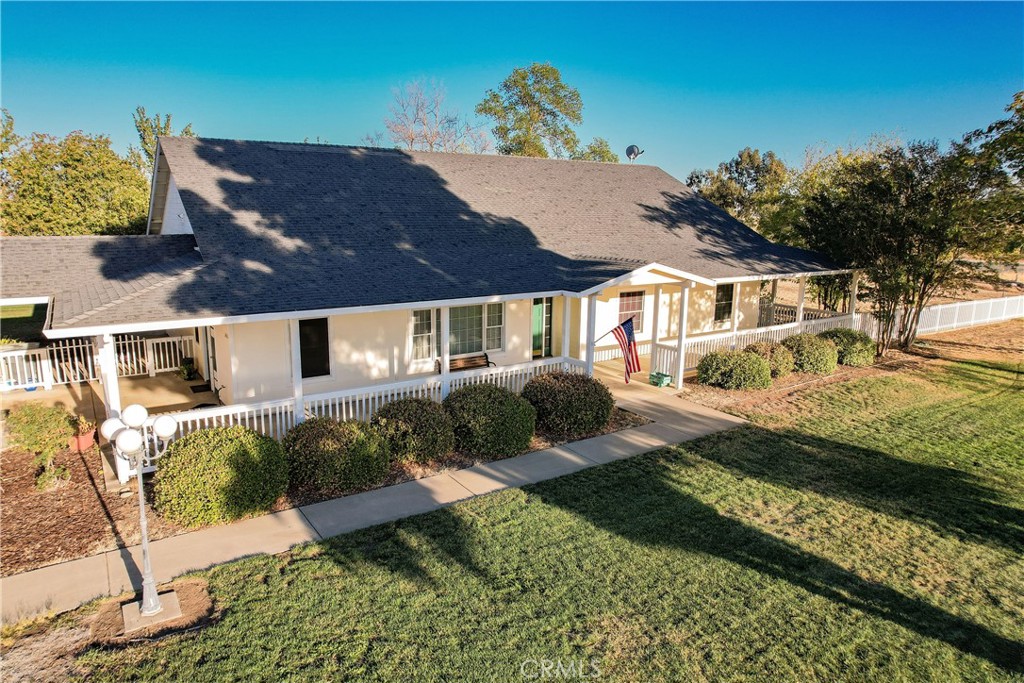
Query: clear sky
{"x": 690, "y": 83}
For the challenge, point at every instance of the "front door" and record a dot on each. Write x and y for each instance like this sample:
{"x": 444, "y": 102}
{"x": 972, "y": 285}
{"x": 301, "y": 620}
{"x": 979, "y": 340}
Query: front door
{"x": 542, "y": 327}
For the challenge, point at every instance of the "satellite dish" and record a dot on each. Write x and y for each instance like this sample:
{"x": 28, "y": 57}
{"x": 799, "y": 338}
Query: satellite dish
{"x": 632, "y": 152}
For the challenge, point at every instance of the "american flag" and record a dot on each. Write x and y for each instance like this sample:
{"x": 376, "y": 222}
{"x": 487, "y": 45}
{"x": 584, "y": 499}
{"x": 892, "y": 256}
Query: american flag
{"x": 627, "y": 342}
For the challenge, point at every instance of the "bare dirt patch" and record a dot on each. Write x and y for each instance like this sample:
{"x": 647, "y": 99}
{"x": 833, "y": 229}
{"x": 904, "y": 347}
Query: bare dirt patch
{"x": 196, "y": 608}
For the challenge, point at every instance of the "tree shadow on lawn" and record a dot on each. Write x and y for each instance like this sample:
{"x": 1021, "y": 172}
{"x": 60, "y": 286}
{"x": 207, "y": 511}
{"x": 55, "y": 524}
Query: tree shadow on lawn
{"x": 943, "y": 498}
{"x": 659, "y": 514}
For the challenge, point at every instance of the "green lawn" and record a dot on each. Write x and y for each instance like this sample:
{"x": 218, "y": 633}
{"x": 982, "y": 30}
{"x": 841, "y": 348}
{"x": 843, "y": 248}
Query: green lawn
{"x": 873, "y": 533}
{"x": 24, "y": 323}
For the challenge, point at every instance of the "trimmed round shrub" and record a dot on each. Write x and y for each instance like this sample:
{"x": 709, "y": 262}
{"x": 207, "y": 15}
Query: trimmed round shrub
{"x": 219, "y": 475}
{"x": 415, "y": 429}
{"x": 734, "y": 370}
{"x": 812, "y": 354}
{"x": 854, "y": 347}
{"x": 489, "y": 421}
{"x": 569, "y": 405}
{"x": 779, "y": 358}
{"x": 328, "y": 456}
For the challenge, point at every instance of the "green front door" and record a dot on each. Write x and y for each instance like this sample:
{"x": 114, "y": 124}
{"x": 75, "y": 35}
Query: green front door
{"x": 542, "y": 327}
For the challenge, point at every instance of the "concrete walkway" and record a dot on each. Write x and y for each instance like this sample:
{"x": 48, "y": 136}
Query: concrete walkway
{"x": 64, "y": 586}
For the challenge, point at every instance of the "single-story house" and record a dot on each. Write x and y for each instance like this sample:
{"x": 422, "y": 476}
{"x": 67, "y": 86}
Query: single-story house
{"x": 314, "y": 278}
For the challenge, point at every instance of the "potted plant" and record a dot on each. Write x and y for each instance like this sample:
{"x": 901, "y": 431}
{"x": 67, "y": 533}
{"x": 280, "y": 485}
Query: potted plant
{"x": 187, "y": 370}
{"x": 85, "y": 435}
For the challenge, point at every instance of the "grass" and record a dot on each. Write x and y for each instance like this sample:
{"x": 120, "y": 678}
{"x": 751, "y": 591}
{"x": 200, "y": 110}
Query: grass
{"x": 23, "y": 322}
{"x": 873, "y": 533}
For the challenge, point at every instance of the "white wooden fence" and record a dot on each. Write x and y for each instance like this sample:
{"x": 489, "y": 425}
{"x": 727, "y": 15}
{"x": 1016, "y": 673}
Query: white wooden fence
{"x": 934, "y": 319}
{"x": 67, "y": 361}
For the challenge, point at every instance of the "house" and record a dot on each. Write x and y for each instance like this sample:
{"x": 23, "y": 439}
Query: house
{"x": 321, "y": 279}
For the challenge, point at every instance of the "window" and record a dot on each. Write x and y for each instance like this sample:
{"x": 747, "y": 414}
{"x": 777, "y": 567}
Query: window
{"x": 422, "y": 334}
{"x": 723, "y": 303}
{"x": 471, "y": 329}
{"x": 314, "y": 348}
{"x": 631, "y": 305}
{"x": 495, "y": 327}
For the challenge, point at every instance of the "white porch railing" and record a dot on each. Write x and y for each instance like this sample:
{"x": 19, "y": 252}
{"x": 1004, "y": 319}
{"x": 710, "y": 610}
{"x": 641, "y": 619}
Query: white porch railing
{"x": 362, "y": 403}
{"x": 514, "y": 377}
{"x": 74, "y": 360}
{"x": 603, "y": 353}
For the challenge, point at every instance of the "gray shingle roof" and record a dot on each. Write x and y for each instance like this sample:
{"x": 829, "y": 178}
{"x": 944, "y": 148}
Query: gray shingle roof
{"x": 291, "y": 227}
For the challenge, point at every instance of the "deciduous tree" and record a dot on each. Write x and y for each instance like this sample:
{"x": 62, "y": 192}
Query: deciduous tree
{"x": 149, "y": 128}
{"x": 420, "y": 120}
{"x": 75, "y": 185}
{"x": 598, "y": 150}
{"x": 751, "y": 186}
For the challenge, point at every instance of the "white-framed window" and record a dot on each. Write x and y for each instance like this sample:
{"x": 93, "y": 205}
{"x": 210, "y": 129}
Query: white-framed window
{"x": 471, "y": 329}
{"x": 631, "y": 305}
{"x": 315, "y": 347}
{"x": 723, "y": 303}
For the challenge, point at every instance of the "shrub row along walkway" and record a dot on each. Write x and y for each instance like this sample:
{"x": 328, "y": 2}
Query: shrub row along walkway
{"x": 64, "y": 586}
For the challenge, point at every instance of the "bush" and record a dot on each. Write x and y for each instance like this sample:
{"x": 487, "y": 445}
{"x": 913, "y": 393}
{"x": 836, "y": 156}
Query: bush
{"x": 415, "y": 429}
{"x": 779, "y": 358}
{"x": 812, "y": 354}
{"x": 333, "y": 457}
{"x": 218, "y": 475}
{"x": 854, "y": 347}
{"x": 490, "y": 421}
{"x": 734, "y": 370}
{"x": 43, "y": 430}
{"x": 569, "y": 405}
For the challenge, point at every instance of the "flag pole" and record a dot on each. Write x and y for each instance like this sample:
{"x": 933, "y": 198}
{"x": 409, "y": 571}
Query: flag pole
{"x": 613, "y": 329}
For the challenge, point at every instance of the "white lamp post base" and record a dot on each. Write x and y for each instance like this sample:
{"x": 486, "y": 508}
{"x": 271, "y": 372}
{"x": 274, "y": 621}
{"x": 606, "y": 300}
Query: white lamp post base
{"x": 134, "y": 620}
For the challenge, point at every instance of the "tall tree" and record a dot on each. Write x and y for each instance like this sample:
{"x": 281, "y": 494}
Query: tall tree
{"x": 751, "y": 186}
{"x": 534, "y": 112}
{"x": 75, "y": 185}
{"x": 907, "y": 216}
{"x": 598, "y": 150}
{"x": 149, "y": 128}
{"x": 419, "y": 120}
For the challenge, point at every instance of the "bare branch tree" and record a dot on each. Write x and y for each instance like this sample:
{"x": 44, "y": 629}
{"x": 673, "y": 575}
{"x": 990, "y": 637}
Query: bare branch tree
{"x": 419, "y": 121}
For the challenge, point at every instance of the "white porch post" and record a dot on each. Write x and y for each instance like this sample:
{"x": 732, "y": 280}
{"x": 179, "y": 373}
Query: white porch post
{"x": 854, "y": 278}
{"x": 566, "y": 331}
{"x": 446, "y": 351}
{"x": 591, "y": 331}
{"x": 106, "y": 355}
{"x": 296, "y": 348}
{"x": 800, "y": 303}
{"x": 655, "y": 319}
{"x": 775, "y": 296}
{"x": 684, "y": 306}
{"x": 734, "y": 324}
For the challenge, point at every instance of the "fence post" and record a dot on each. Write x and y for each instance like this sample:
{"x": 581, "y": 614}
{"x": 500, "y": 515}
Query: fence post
{"x": 150, "y": 355}
{"x": 47, "y": 367}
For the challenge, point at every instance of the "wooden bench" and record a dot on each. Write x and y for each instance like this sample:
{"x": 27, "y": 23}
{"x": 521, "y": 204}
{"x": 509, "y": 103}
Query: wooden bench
{"x": 465, "y": 363}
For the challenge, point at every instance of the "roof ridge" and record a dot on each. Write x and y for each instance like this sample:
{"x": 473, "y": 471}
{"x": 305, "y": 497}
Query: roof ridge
{"x": 393, "y": 150}
{"x": 164, "y": 267}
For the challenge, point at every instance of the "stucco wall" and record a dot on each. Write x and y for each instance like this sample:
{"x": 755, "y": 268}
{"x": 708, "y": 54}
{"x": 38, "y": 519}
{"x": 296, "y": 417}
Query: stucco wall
{"x": 365, "y": 349}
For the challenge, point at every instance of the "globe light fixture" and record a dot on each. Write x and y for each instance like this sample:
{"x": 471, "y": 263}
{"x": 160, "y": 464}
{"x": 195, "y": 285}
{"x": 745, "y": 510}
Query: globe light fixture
{"x": 140, "y": 446}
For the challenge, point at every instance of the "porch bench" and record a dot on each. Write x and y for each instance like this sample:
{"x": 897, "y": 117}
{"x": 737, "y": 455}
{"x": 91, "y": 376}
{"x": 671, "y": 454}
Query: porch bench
{"x": 466, "y": 363}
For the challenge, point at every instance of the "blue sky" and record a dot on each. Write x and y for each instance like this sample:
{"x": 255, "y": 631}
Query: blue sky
{"x": 691, "y": 83}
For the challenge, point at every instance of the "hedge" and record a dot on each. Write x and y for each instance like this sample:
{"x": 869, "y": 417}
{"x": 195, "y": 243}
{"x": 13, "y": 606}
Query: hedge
{"x": 734, "y": 370}
{"x": 219, "y": 475}
{"x": 415, "y": 429}
{"x": 568, "y": 405}
{"x": 812, "y": 354}
{"x": 779, "y": 358}
{"x": 489, "y": 421}
{"x": 854, "y": 347}
{"x": 328, "y": 456}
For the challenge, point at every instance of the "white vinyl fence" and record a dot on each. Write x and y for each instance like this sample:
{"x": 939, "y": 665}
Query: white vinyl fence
{"x": 67, "y": 361}
{"x": 934, "y": 319}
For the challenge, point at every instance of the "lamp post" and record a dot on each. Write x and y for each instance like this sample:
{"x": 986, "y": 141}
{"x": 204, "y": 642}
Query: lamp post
{"x": 129, "y": 442}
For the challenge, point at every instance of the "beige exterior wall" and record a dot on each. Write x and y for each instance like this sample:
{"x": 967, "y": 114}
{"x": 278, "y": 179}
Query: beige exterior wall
{"x": 366, "y": 349}
{"x": 221, "y": 379}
